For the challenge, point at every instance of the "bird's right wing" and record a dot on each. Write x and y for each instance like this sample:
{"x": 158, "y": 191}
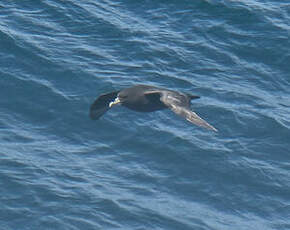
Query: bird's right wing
{"x": 177, "y": 103}
{"x": 101, "y": 105}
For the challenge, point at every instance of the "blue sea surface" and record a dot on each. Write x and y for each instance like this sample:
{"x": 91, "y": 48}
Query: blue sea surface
{"x": 130, "y": 170}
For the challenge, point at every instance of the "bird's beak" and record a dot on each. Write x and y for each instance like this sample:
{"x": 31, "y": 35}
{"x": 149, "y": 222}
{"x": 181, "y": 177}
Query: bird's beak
{"x": 115, "y": 102}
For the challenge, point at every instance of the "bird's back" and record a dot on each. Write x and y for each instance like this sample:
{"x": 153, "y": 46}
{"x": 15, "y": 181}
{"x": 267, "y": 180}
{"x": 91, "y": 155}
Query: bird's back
{"x": 140, "y": 101}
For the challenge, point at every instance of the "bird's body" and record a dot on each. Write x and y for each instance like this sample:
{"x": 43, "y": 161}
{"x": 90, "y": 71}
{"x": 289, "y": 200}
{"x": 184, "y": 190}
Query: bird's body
{"x": 144, "y": 98}
{"x": 141, "y": 102}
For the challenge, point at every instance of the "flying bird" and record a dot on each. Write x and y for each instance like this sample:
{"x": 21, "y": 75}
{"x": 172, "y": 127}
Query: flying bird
{"x": 145, "y": 98}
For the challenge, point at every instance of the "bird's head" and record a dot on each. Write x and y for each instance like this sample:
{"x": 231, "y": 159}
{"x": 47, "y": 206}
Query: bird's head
{"x": 120, "y": 99}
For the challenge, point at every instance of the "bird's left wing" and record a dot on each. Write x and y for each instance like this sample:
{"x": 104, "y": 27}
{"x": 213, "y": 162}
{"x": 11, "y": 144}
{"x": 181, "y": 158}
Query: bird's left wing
{"x": 179, "y": 104}
{"x": 101, "y": 105}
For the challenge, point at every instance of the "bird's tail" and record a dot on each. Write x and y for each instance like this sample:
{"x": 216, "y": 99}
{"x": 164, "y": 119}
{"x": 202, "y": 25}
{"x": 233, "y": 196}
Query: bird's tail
{"x": 193, "y": 96}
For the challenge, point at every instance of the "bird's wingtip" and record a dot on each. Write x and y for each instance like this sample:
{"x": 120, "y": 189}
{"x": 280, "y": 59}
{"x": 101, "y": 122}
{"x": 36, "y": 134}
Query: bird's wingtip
{"x": 215, "y": 130}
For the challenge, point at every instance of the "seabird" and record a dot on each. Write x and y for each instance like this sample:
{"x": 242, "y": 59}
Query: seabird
{"x": 145, "y": 98}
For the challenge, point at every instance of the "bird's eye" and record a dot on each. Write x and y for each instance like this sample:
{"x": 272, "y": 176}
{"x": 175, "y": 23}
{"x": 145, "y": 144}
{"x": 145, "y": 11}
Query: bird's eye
{"x": 122, "y": 96}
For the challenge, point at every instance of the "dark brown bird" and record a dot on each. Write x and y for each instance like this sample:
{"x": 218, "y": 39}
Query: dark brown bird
{"x": 145, "y": 98}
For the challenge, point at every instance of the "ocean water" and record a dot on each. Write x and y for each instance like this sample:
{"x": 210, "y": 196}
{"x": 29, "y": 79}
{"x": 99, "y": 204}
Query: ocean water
{"x": 128, "y": 170}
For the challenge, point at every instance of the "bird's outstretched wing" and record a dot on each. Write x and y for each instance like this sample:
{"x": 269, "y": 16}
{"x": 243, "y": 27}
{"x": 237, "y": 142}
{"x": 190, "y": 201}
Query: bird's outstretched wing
{"x": 101, "y": 105}
{"x": 180, "y": 104}
{"x": 191, "y": 117}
